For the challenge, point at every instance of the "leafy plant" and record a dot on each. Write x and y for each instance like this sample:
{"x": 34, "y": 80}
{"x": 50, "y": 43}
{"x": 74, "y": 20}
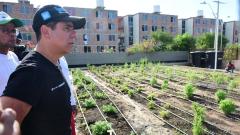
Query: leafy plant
{"x": 151, "y": 96}
{"x": 198, "y": 119}
{"x": 151, "y": 104}
{"x": 164, "y": 85}
{"x": 83, "y": 95}
{"x": 130, "y": 93}
{"x": 92, "y": 86}
{"x": 100, "y": 128}
{"x": 227, "y": 106}
{"x": 220, "y": 95}
{"x": 153, "y": 81}
{"x": 164, "y": 114}
{"x": 89, "y": 103}
{"x": 100, "y": 95}
{"x": 189, "y": 89}
{"x": 109, "y": 109}
{"x": 139, "y": 89}
{"x": 167, "y": 106}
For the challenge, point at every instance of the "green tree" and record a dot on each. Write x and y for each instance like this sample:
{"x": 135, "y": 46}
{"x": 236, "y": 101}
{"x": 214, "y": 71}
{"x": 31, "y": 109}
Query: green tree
{"x": 206, "y": 41}
{"x": 184, "y": 42}
{"x": 162, "y": 40}
{"x": 231, "y": 52}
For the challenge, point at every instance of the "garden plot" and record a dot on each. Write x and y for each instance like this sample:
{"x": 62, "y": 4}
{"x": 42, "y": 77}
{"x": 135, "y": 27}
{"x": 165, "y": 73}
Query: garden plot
{"x": 173, "y": 101}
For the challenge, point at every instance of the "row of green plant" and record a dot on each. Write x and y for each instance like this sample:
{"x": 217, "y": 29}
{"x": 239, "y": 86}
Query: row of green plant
{"x": 188, "y": 90}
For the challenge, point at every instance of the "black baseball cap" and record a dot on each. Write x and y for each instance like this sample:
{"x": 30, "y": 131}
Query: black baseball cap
{"x": 55, "y": 13}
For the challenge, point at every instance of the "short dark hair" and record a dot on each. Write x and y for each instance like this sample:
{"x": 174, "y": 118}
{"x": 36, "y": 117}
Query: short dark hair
{"x": 51, "y": 25}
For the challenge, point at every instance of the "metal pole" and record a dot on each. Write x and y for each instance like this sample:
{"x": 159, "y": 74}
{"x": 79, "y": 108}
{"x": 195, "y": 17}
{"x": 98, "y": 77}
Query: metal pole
{"x": 221, "y": 48}
{"x": 216, "y": 36}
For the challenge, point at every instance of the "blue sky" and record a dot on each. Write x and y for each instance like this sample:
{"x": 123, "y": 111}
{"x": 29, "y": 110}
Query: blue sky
{"x": 182, "y": 8}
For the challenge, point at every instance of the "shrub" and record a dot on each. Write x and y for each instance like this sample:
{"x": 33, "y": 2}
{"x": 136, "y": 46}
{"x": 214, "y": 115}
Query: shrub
{"x": 220, "y": 95}
{"x": 109, "y": 109}
{"x": 189, "y": 90}
{"x": 100, "y": 128}
{"x": 89, "y": 103}
{"x": 227, "y": 106}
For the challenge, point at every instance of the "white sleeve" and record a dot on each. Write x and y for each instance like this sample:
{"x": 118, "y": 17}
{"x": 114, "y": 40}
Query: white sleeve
{"x": 68, "y": 77}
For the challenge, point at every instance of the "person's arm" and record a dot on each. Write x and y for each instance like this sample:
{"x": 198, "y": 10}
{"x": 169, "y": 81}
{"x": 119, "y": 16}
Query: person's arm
{"x": 21, "y": 108}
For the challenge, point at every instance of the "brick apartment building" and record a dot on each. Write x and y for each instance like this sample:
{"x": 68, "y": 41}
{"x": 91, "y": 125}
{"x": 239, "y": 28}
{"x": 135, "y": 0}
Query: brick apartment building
{"x": 138, "y": 27}
{"x": 100, "y": 32}
{"x": 232, "y": 31}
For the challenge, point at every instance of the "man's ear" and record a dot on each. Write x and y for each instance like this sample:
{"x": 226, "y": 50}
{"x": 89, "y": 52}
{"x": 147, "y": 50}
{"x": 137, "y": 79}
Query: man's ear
{"x": 45, "y": 32}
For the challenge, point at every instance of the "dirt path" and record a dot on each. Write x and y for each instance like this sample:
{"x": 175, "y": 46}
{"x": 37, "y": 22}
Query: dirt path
{"x": 143, "y": 121}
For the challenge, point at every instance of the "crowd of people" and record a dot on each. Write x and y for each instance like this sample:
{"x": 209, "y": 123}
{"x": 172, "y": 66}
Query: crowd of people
{"x": 36, "y": 85}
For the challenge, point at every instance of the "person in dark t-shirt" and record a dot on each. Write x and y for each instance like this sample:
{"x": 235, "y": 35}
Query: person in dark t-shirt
{"x": 37, "y": 90}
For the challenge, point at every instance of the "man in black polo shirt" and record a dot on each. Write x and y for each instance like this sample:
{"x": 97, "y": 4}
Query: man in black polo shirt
{"x": 37, "y": 90}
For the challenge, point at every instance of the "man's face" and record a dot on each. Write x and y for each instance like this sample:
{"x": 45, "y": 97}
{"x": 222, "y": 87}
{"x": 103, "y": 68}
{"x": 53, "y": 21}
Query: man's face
{"x": 7, "y": 36}
{"x": 63, "y": 37}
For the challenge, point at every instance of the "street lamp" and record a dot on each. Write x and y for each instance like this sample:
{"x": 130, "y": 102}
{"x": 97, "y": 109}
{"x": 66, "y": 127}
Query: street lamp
{"x": 216, "y": 29}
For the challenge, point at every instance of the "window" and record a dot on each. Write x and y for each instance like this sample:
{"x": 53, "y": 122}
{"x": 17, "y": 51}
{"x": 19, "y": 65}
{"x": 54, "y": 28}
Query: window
{"x": 111, "y": 26}
{"x": 24, "y": 9}
{"x": 26, "y": 36}
{"x": 130, "y": 20}
{"x": 145, "y": 17}
{"x": 154, "y": 19}
{"x": 87, "y": 49}
{"x": 7, "y": 8}
{"x": 97, "y": 26}
{"x": 163, "y": 28}
{"x": 197, "y": 21}
{"x": 205, "y": 21}
{"x": 144, "y": 28}
{"x": 112, "y": 15}
{"x": 100, "y": 49}
{"x": 85, "y": 39}
{"x": 130, "y": 40}
{"x": 111, "y": 37}
{"x": 112, "y": 48}
{"x": 213, "y": 22}
{"x": 98, "y": 37}
{"x": 154, "y": 28}
{"x": 172, "y": 19}
{"x": 98, "y": 14}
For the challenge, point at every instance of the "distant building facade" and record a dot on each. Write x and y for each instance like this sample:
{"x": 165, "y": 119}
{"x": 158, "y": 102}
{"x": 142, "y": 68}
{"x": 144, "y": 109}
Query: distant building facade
{"x": 139, "y": 27}
{"x": 100, "y": 33}
{"x": 232, "y": 31}
{"x": 196, "y": 26}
